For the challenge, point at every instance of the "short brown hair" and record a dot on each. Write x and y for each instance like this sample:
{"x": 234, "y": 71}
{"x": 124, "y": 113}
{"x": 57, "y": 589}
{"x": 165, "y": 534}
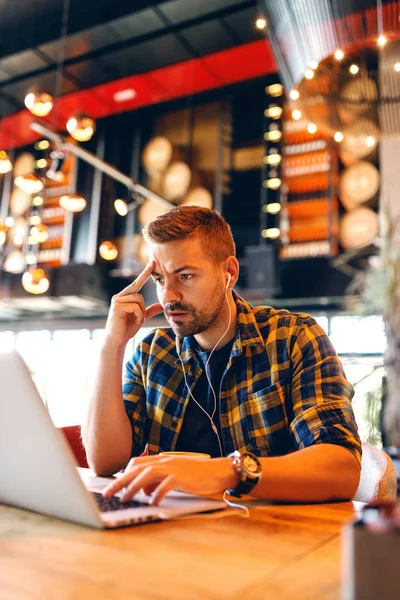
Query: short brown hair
{"x": 185, "y": 222}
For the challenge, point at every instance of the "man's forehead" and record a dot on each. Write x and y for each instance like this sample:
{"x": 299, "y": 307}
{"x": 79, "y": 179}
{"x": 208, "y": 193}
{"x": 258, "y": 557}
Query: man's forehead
{"x": 174, "y": 255}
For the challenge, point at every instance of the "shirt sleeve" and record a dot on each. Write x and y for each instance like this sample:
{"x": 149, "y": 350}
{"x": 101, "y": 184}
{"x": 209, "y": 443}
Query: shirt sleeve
{"x": 321, "y": 394}
{"x": 134, "y": 395}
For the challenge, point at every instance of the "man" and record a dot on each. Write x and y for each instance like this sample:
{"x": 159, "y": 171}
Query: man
{"x": 263, "y": 384}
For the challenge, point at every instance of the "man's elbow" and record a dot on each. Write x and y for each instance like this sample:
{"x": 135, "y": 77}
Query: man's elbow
{"x": 349, "y": 470}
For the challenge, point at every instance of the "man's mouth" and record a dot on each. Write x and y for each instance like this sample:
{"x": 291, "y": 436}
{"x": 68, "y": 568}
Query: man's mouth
{"x": 176, "y": 316}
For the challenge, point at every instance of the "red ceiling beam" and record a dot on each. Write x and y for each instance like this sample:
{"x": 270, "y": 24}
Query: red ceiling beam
{"x": 176, "y": 81}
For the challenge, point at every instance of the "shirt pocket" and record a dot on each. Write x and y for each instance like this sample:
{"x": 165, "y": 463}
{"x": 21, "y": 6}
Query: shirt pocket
{"x": 265, "y": 421}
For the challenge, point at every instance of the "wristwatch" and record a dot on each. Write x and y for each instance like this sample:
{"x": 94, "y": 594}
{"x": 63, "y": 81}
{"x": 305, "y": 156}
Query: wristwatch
{"x": 249, "y": 469}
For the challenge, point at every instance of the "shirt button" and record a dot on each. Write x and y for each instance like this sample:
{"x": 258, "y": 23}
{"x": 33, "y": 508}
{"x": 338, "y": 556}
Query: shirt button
{"x": 174, "y": 424}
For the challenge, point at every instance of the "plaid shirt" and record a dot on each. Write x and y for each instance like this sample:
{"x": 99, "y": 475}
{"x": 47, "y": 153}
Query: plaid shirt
{"x": 283, "y": 388}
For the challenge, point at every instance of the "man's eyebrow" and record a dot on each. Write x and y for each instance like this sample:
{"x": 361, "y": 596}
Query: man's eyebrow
{"x": 179, "y": 270}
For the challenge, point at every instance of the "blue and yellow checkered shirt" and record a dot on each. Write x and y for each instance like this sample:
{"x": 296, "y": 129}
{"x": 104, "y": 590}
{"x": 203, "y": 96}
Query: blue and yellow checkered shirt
{"x": 283, "y": 388}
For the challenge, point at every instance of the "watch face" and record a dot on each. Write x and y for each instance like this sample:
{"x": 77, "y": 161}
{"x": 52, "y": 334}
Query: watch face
{"x": 250, "y": 464}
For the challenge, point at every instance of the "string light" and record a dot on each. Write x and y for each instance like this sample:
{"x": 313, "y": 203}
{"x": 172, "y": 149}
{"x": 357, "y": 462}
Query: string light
{"x": 397, "y": 67}
{"x": 314, "y": 65}
{"x": 261, "y": 23}
{"x": 272, "y": 184}
{"x": 339, "y": 54}
{"x": 296, "y": 114}
{"x": 370, "y": 141}
{"x": 273, "y": 136}
{"x": 294, "y": 94}
{"x": 272, "y": 159}
{"x": 273, "y": 208}
{"x": 273, "y": 111}
{"x": 354, "y": 69}
{"x": 309, "y": 74}
{"x": 272, "y": 233}
{"x": 311, "y": 128}
{"x": 275, "y": 90}
{"x": 42, "y": 145}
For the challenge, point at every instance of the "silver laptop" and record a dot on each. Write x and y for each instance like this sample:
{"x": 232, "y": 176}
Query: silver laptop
{"x": 38, "y": 470}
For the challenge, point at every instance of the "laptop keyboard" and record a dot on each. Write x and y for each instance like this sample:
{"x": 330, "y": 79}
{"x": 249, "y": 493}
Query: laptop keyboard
{"x": 114, "y": 503}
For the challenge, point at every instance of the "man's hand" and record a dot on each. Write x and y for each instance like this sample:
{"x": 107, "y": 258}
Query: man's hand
{"x": 128, "y": 311}
{"x": 161, "y": 474}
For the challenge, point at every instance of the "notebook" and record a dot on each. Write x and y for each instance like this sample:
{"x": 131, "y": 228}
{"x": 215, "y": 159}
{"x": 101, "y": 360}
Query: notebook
{"x": 38, "y": 470}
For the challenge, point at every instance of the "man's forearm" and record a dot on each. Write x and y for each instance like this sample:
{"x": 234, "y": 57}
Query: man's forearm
{"x": 106, "y": 431}
{"x": 319, "y": 473}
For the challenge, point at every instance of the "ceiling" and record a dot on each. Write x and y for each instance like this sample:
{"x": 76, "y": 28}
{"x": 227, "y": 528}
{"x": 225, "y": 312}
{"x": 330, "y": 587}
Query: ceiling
{"x": 112, "y": 41}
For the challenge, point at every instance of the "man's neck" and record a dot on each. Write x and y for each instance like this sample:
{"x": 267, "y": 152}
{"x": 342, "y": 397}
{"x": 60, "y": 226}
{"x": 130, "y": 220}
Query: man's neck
{"x": 207, "y": 339}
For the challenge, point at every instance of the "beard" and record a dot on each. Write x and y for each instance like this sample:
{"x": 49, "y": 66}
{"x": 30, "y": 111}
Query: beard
{"x": 199, "y": 320}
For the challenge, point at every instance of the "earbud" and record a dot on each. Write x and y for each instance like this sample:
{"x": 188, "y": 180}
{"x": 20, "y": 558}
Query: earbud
{"x": 228, "y": 282}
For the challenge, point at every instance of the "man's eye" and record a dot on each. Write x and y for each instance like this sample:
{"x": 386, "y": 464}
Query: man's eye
{"x": 186, "y": 276}
{"x": 159, "y": 280}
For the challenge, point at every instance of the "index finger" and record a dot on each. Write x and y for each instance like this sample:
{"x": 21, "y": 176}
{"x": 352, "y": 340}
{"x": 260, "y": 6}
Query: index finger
{"x": 140, "y": 280}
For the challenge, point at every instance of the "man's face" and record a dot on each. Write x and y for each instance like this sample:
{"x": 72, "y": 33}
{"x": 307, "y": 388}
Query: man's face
{"x": 190, "y": 288}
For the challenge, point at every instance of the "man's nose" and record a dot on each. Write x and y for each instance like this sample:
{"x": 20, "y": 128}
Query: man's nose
{"x": 170, "y": 294}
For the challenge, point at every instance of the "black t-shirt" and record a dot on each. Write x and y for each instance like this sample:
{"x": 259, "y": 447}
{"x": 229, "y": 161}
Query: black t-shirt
{"x": 196, "y": 434}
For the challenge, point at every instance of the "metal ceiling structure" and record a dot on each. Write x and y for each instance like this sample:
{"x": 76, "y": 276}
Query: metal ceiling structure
{"x": 115, "y": 42}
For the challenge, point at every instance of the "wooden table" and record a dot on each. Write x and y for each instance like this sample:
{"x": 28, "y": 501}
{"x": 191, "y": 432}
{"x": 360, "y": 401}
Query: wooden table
{"x": 279, "y": 552}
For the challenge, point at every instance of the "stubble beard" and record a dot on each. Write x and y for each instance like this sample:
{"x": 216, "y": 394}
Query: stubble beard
{"x": 200, "y": 321}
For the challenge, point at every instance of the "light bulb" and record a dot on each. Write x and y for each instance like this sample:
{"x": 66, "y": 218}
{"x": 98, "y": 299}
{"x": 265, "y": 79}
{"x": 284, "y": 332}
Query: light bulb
{"x": 314, "y": 65}
{"x": 81, "y": 127}
{"x": 5, "y": 162}
{"x": 309, "y": 74}
{"x": 30, "y": 184}
{"x": 261, "y": 23}
{"x": 39, "y": 233}
{"x": 397, "y": 67}
{"x": 311, "y": 128}
{"x": 354, "y": 69}
{"x": 73, "y": 202}
{"x": 273, "y": 208}
{"x": 9, "y": 222}
{"x": 272, "y": 233}
{"x": 370, "y": 141}
{"x": 14, "y": 262}
{"x": 338, "y": 137}
{"x": 273, "y": 184}
{"x": 272, "y": 159}
{"x": 382, "y": 40}
{"x": 35, "y": 281}
{"x": 39, "y": 103}
{"x": 273, "y": 111}
{"x": 294, "y": 94}
{"x": 296, "y": 114}
{"x": 108, "y": 251}
{"x": 339, "y": 54}
{"x": 34, "y": 220}
{"x": 275, "y": 90}
{"x": 121, "y": 207}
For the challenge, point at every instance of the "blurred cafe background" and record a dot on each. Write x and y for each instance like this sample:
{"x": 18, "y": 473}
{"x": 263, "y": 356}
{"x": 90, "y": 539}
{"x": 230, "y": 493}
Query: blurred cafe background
{"x": 281, "y": 115}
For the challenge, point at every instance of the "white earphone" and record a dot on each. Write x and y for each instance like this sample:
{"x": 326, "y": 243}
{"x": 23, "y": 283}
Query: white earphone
{"x": 178, "y": 349}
